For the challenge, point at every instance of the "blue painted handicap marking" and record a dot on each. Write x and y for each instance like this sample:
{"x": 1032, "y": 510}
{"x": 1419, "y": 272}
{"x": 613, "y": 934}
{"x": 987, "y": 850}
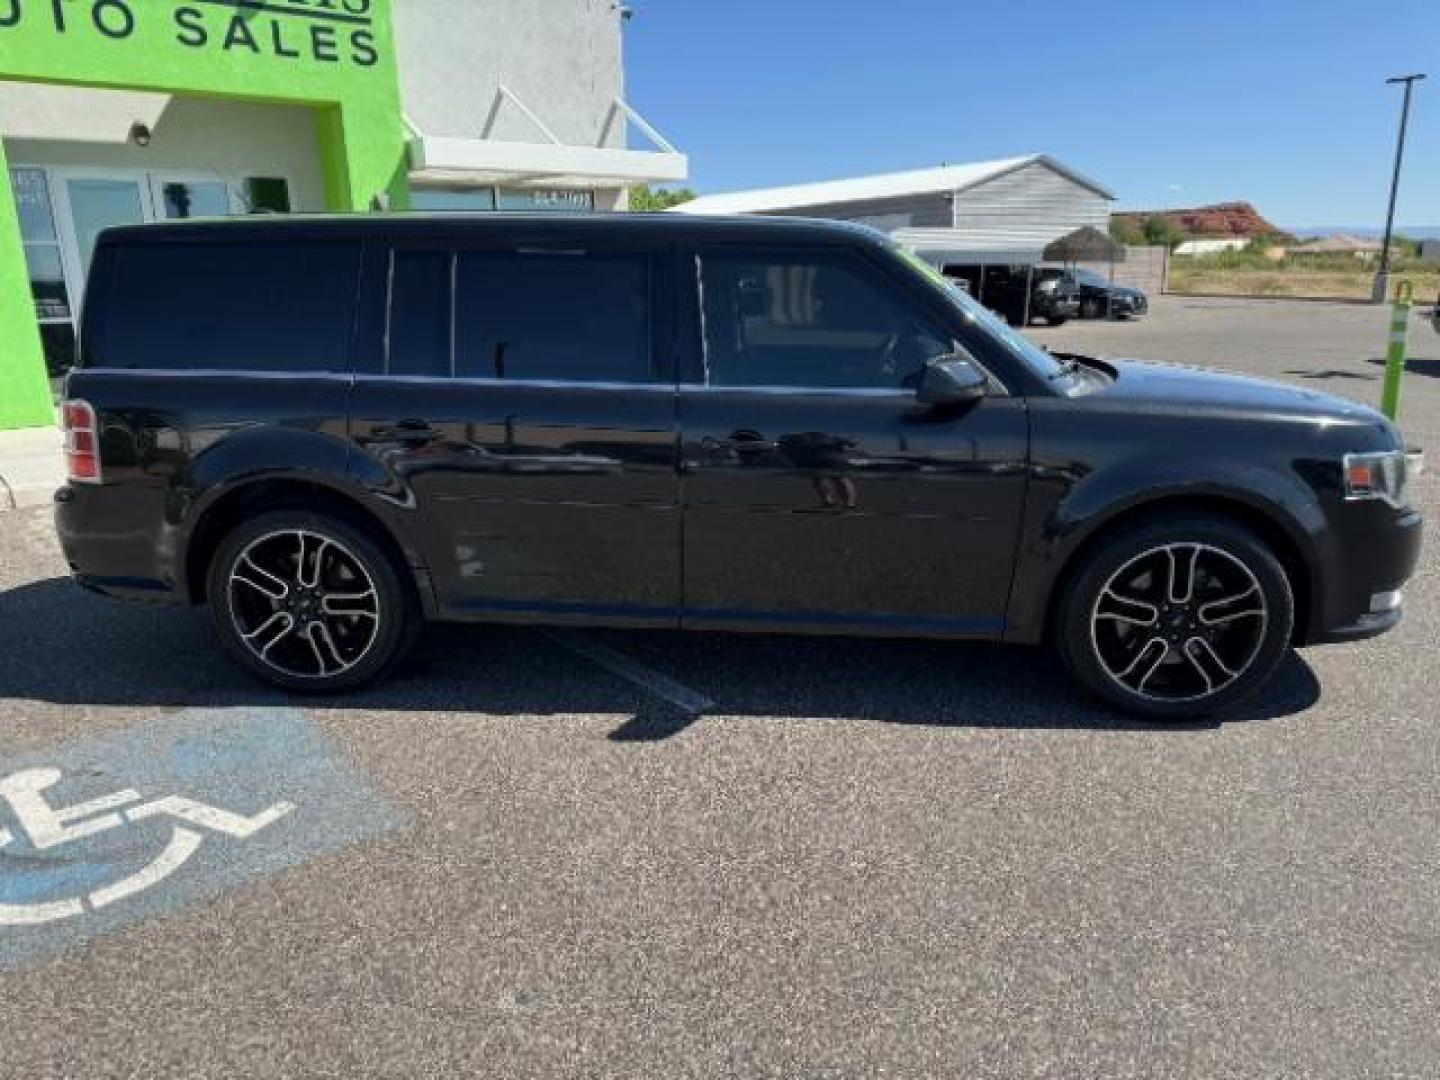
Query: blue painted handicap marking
{"x": 101, "y": 834}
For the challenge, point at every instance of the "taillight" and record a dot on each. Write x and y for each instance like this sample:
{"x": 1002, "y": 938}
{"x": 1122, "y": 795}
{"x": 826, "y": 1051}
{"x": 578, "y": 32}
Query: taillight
{"x": 82, "y": 442}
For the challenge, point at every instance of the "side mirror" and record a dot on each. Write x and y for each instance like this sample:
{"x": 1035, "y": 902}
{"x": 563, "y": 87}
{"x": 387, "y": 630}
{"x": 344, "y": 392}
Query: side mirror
{"x": 951, "y": 380}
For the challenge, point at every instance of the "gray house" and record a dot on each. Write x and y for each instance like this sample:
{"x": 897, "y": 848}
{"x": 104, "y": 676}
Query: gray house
{"x": 993, "y": 212}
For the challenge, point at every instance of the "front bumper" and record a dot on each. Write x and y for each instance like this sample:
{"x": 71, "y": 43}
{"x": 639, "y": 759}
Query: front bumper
{"x": 1367, "y": 626}
{"x": 1376, "y": 554}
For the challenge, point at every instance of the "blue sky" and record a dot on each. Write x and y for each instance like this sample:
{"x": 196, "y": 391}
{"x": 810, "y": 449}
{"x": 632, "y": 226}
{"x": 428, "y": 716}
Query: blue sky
{"x": 1167, "y": 102}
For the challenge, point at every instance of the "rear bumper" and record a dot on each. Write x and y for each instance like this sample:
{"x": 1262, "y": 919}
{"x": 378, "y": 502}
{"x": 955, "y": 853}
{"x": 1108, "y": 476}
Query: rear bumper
{"x": 108, "y": 553}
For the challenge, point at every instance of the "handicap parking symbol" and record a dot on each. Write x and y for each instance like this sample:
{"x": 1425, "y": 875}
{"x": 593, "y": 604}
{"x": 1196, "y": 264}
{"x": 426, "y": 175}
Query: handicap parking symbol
{"x": 95, "y": 836}
{"x": 48, "y": 827}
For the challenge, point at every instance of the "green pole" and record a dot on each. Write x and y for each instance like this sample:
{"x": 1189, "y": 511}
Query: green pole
{"x": 1395, "y": 354}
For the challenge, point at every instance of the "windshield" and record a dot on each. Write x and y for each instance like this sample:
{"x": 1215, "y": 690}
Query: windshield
{"x": 1029, "y": 354}
{"x": 1089, "y": 277}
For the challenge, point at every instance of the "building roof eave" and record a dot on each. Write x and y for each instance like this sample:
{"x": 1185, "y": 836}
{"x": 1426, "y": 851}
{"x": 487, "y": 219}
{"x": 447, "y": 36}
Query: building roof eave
{"x": 475, "y": 162}
{"x": 944, "y": 179}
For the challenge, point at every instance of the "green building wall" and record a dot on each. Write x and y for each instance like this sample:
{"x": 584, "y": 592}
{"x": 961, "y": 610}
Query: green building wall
{"x": 335, "y": 56}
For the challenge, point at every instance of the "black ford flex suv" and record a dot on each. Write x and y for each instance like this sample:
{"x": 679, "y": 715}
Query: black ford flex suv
{"x": 331, "y": 429}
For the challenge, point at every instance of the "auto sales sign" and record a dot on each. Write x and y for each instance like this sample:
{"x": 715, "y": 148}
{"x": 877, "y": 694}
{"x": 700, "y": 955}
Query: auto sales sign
{"x": 339, "y": 32}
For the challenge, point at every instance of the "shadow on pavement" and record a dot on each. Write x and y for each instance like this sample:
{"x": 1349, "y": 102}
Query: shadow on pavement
{"x": 1415, "y": 365}
{"x": 1330, "y": 373}
{"x": 65, "y": 646}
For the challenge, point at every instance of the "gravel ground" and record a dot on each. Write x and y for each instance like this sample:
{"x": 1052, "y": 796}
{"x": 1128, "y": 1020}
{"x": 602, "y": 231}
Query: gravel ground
{"x": 865, "y": 859}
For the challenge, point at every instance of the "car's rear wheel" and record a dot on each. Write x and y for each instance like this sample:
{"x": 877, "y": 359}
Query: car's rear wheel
{"x": 1178, "y": 618}
{"x": 309, "y": 601}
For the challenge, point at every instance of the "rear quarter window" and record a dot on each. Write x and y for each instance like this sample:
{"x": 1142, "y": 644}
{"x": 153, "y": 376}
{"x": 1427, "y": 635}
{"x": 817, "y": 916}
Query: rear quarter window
{"x": 263, "y": 307}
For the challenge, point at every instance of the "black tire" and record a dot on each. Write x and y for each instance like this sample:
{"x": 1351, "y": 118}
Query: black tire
{"x": 1089, "y": 308}
{"x": 249, "y": 587}
{"x": 1057, "y": 320}
{"x": 1215, "y": 654}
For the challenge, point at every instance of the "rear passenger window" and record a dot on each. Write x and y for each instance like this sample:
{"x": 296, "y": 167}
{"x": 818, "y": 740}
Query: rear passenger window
{"x": 566, "y": 316}
{"x": 228, "y": 307}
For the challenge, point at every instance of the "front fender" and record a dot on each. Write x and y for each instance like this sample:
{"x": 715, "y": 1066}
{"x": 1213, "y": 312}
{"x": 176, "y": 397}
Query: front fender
{"x": 1067, "y": 510}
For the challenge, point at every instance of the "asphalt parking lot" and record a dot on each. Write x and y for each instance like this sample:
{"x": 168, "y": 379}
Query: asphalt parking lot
{"x": 524, "y": 857}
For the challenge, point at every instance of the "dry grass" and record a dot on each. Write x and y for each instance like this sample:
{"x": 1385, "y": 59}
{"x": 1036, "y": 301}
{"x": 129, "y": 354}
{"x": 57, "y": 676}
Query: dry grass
{"x": 1186, "y": 277}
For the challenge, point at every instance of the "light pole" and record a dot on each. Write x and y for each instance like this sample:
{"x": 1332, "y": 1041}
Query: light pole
{"x": 1382, "y": 276}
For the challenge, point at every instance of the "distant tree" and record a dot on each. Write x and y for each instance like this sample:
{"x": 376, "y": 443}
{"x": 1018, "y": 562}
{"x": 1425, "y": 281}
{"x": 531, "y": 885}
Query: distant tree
{"x": 1161, "y": 231}
{"x": 643, "y": 197}
{"x": 1402, "y": 247}
{"x": 1123, "y": 231}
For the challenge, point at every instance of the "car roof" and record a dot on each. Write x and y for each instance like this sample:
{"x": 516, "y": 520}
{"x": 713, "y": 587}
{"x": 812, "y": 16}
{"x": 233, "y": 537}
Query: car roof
{"x": 500, "y": 225}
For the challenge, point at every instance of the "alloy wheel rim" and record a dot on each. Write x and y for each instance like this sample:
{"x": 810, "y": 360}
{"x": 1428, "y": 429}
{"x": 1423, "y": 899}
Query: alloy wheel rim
{"x": 304, "y": 604}
{"x": 1179, "y": 622}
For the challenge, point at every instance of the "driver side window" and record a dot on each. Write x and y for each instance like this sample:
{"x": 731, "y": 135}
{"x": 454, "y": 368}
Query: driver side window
{"x": 809, "y": 321}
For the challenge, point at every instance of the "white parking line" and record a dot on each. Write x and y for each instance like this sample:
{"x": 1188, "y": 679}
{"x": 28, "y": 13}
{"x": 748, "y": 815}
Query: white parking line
{"x": 632, "y": 670}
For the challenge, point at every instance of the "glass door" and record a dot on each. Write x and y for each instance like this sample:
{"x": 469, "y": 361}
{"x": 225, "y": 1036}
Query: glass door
{"x": 96, "y": 203}
{"x": 62, "y": 212}
{"x": 45, "y": 266}
{"x": 86, "y": 202}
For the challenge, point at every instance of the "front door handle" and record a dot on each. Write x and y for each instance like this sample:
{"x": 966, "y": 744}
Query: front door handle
{"x": 405, "y": 431}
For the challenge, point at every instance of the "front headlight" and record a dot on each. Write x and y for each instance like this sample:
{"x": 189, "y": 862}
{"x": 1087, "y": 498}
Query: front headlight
{"x": 1385, "y": 475}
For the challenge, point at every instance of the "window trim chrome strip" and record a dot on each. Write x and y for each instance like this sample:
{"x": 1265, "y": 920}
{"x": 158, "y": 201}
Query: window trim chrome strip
{"x": 667, "y": 387}
{"x": 454, "y": 312}
{"x": 500, "y": 384}
{"x": 389, "y": 303}
{"x": 539, "y": 384}
{"x": 217, "y": 373}
{"x": 781, "y": 390}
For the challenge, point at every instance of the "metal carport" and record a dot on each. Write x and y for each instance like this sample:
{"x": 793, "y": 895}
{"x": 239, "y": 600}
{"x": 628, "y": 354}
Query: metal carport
{"x": 1003, "y": 248}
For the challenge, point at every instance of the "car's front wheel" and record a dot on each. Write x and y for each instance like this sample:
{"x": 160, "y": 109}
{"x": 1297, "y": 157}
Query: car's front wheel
{"x": 1177, "y": 618}
{"x": 309, "y": 601}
